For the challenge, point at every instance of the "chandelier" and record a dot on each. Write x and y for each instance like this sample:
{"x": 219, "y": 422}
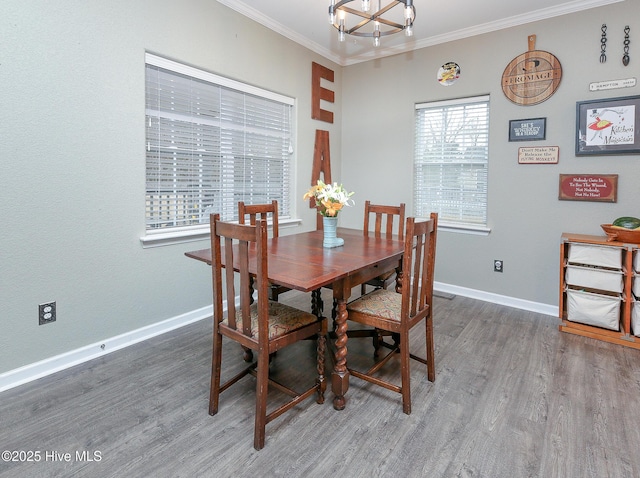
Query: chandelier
{"x": 366, "y": 23}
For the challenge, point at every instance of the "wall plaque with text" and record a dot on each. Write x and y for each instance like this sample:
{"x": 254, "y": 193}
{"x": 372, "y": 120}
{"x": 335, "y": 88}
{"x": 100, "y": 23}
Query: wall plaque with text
{"x": 589, "y": 187}
{"x": 538, "y": 155}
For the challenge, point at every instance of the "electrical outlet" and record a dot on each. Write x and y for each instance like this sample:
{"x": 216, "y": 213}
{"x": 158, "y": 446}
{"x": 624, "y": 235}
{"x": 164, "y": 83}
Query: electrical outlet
{"x": 498, "y": 265}
{"x": 46, "y": 313}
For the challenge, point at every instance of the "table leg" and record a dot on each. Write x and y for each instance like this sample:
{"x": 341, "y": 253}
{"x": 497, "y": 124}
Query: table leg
{"x": 340, "y": 376}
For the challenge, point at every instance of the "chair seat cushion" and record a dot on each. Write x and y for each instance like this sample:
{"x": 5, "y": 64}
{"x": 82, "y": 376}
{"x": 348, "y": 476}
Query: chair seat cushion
{"x": 282, "y": 319}
{"x": 379, "y": 303}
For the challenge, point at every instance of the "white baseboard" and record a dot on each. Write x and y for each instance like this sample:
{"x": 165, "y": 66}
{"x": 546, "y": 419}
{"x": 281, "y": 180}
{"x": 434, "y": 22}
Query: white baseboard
{"x": 498, "y": 299}
{"x": 28, "y": 373}
{"x": 34, "y": 371}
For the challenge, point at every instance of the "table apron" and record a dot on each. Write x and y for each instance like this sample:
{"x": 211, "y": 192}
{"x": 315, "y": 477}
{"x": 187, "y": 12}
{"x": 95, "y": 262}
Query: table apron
{"x": 374, "y": 270}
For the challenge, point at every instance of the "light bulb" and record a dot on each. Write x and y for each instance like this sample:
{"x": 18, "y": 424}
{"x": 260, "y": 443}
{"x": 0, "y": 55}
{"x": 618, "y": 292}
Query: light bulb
{"x": 408, "y": 31}
{"x": 366, "y": 5}
{"x": 332, "y": 13}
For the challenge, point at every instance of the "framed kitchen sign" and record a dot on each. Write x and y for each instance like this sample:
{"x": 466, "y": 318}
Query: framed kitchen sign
{"x": 527, "y": 129}
{"x": 608, "y": 126}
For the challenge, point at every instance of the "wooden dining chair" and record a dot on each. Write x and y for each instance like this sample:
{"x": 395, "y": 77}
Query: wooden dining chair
{"x": 399, "y": 313}
{"x": 383, "y": 226}
{"x": 263, "y": 211}
{"x": 263, "y": 326}
{"x": 259, "y": 211}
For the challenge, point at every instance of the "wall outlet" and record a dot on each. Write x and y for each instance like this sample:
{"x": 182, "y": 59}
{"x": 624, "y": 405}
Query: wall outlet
{"x": 46, "y": 313}
{"x": 498, "y": 265}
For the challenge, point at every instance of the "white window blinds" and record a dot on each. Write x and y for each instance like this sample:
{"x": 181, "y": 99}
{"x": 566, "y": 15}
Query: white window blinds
{"x": 212, "y": 142}
{"x": 451, "y": 160}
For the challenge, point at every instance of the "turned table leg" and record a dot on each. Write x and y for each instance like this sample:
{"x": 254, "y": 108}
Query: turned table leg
{"x": 340, "y": 376}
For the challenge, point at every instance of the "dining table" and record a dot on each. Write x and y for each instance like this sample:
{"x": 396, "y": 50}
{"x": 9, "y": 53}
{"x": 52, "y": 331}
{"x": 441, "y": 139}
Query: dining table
{"x": 300, "y": 262}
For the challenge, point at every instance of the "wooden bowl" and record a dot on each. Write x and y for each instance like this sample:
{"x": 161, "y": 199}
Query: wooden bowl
{"x": 621, "y": 235}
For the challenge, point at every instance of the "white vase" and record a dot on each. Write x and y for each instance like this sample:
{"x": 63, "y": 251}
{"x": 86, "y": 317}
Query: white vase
{"x": 330, "y": 240}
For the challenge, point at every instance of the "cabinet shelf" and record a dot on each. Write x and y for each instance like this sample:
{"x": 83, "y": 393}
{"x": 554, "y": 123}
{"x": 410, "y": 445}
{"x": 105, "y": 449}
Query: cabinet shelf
{"x": 599, "y": 303}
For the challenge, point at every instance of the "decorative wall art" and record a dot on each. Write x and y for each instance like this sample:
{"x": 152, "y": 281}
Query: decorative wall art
{"x": 527, "y": 129}
{"x": 608, "y": 126}
{"x": 538, "y": 155}
{"x": 588, "y": 187}
{"x": 448, "y": 73}
{"x": 532, "y": 77}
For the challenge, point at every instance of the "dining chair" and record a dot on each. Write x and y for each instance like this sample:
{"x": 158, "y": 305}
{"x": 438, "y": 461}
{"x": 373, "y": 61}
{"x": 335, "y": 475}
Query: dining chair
{"x": 263, "y": 326}
{"x": 383, "y": 216}
{"x": 399, "y": 313}
{"x": 263, "y": 211}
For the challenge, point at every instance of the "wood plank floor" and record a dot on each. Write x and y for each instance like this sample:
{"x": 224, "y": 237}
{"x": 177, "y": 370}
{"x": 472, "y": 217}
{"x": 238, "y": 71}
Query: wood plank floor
{"x": 513, "y": 397}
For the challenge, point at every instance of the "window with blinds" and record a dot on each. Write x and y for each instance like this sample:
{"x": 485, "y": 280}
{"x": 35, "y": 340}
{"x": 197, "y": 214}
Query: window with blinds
{"x": 212, "y": 142}
{"x": 451, "y": 160}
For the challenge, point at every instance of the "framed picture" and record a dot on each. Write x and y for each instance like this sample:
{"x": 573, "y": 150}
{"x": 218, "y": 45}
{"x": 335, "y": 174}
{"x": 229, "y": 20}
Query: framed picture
{"x": 609, "y": 126}
{"x": 527, "y": 129}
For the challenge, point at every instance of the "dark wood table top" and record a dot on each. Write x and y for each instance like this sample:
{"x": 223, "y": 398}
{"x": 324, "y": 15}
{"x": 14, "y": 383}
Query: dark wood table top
{"x": 299, "y": 261}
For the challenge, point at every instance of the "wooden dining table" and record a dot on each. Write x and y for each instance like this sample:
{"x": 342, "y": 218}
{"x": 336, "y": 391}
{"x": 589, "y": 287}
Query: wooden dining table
{"x": 300, "y": 262}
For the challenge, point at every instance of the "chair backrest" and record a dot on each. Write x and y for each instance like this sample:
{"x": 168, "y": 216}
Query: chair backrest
{"x": 259, "y": 211}
{"x": 237, "y": 240}
{"x": 384, "y": 214}
{"x": 418, "y": 267}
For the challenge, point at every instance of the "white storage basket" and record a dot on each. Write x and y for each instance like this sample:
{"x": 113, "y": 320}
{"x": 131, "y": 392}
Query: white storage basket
{"x": 636, "y": 260}
{"x": 594, "y": 309}
{"x": 635, "y": 287}
{"x": 593, "y": 278}
{"x": 635, "y": 318}
{"x": 594, "y": 255}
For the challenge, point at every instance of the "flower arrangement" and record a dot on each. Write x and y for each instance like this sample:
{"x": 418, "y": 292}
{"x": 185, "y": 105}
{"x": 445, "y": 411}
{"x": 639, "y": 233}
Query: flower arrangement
{"x": 330, "y": 198}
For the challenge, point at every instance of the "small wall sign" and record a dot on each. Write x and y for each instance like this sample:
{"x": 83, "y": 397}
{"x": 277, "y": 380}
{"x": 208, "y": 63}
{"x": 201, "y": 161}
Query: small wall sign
{"x": 538, "y": 155}
{"x": 612, "y": 85}
{"x": 589, "y": 187}
{"x": 527, "y": 129}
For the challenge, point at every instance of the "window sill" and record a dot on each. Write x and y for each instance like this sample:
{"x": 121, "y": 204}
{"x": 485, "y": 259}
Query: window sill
{"x": 191, "y": 234}
{"x": 464, "y": 229}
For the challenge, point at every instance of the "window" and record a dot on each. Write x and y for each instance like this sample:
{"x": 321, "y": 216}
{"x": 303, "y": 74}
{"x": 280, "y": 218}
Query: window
{"x": 211, "y": 142}
{"x": 451, "y": 159}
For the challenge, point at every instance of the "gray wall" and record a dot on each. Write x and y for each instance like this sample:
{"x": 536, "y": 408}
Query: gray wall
{"x": 525, "y": 216}
{"x": 72, "y": 138}
{"x": 72, "y": 155}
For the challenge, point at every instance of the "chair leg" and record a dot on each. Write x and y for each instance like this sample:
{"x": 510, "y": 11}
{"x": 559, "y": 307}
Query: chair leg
{"x": 431, "y": 365}
{"x": 262, "y": 384}
{"x": 405, "y": 371}
{"x": 216, "y": 359}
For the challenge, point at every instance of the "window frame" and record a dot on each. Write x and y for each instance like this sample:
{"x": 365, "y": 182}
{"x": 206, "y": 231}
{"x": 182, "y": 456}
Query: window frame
{"x": 420, "y": 159}
{"x": 193, "y": 232}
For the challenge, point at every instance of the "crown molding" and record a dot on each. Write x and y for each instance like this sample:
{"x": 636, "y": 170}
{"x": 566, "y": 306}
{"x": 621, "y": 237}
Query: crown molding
{"x": 517, "y": 20}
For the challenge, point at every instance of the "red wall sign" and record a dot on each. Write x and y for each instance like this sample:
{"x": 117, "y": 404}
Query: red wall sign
{"x": 589, "y": 187}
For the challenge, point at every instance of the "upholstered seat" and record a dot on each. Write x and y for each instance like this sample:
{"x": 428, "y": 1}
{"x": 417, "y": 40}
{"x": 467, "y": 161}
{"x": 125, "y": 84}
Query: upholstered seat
{"x": 282, "y": 319}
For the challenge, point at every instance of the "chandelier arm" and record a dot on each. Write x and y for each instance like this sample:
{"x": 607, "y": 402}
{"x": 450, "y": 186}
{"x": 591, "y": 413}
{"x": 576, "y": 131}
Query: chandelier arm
{"x": 390, "y": 23}
{"x": 385, "y": 9}
{"x": 354, "y": 29}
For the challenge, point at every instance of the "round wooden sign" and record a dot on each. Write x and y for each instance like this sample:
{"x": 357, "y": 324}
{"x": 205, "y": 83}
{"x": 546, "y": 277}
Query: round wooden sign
{"x": 531, "y": 77}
